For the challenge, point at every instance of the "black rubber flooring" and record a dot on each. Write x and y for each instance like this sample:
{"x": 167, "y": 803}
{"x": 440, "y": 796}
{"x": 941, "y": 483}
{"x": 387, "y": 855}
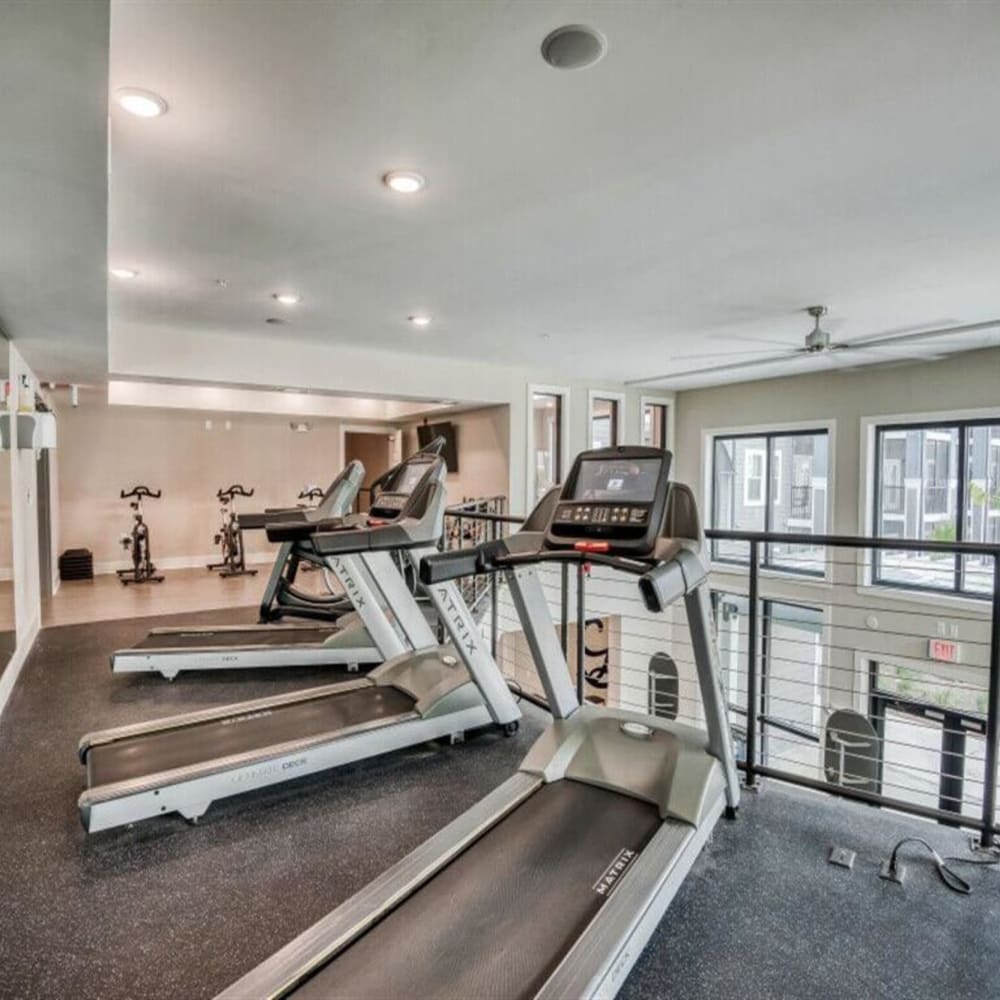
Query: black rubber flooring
{"x": 167, "y": 910}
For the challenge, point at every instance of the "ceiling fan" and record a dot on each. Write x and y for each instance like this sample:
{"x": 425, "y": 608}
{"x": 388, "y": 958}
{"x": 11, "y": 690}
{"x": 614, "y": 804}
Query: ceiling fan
{"x": 819, "y": 342}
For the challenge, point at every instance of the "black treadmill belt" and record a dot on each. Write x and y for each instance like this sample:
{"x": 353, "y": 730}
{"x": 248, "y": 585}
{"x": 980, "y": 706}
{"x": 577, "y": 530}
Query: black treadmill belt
{"x": 149, "y": 753}
{"x": 497, "y": 921}
{"x": 283, "y": 636}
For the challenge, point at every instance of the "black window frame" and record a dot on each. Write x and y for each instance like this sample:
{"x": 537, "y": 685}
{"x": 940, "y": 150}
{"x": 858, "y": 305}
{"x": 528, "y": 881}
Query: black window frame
{"x": 955, "y": 725}
{"x": 957, "y": 588}
{"x": 767, "y": 437}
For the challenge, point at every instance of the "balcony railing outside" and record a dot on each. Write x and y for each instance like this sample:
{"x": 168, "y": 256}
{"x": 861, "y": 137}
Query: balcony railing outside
{"x": 893, "y": 499}
{"x": 800, "y": 503}
{"x": 936, "y": 499}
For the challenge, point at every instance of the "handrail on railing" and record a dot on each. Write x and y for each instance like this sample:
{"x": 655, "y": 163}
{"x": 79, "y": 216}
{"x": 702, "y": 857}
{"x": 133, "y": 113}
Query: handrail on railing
{"x": 854, "y": 542}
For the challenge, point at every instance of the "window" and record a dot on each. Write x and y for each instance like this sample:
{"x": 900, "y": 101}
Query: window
{"x": 753, "y": 479}
{"x": 654, "y": 425}
{"x": 603, "y": 422}
{"x": 546, "y": 417}
{"x": 941, "y": 483}
{"x": 790, "y": 657}
{"x": 775, "y": 482}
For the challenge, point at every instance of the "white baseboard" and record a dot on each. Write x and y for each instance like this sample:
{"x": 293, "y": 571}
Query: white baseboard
{"x": 185, "y": 562}
{"x": 17, "y": 660}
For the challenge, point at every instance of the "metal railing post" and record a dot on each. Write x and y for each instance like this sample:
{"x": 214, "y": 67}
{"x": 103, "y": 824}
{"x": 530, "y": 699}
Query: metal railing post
{"x": 752, "y": 630}
{"x": 992, "y": 715}
{"x": 494, "y": 599}
{"x": 564, "y": 612}
{"x": 581, "y": 637}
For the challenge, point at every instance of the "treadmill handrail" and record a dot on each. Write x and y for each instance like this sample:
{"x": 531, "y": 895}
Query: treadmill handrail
{"x": 486, "y": 559}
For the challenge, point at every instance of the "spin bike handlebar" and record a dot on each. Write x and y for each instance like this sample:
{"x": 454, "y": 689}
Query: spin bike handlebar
{"x": 236, "y": 490}
{"x": 141, "y": 491}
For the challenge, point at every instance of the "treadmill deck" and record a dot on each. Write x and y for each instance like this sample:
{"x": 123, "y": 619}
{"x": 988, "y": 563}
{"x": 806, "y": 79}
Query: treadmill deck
{"x": 498, "y": 919}
{"x": 278, "y": 635}
{"x": 153, "y": 752}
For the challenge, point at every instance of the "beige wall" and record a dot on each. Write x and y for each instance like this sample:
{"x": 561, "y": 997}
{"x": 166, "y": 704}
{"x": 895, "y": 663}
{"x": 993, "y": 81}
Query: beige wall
{"x": 966, "y": 381}
{"x": 483, "y": 453}
{"x": 105, "y": 449}
{"x": 860, "y": 622}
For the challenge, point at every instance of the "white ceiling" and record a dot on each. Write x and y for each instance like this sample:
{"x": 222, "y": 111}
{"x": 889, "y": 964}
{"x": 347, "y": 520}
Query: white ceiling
{"x": 53, "y": 183}
{"x": 724, "y": 166}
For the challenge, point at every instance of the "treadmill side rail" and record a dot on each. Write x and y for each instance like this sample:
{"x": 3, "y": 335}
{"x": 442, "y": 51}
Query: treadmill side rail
{"x": 286, "y": 968}
{"x": 191, "y": 790}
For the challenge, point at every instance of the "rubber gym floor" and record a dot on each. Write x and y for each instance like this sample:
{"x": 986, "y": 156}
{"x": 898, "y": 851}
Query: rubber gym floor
{"x": 167, "y": 910}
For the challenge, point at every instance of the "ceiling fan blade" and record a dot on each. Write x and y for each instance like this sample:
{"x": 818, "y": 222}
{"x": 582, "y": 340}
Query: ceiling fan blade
{"x": 843, "y": 362}
{"x": 909, "y": 338}
{"x": 715, "y": 369}
{"x": 723, "y": 353}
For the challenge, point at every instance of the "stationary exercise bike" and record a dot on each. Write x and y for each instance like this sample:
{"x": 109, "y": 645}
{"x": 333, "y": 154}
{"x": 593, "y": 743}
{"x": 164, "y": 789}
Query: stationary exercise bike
{"x": 136, "y": 542}
{"x": 230, "y": 535}
{"x": 310, "y": 497}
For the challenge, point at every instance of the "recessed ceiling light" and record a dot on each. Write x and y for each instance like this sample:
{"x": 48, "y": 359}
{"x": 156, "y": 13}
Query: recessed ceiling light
{"x": 404, "y": 181}
{"x": 574, "y": 46}
{"x": 142, "y": 103}
{"x": 420, "y": 319}
{"x": 125, "y": 272}
{"x": 286, "y": 298}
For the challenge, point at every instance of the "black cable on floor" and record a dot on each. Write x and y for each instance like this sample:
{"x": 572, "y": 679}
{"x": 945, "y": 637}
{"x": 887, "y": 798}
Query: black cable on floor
{"x": 951, "y": 878}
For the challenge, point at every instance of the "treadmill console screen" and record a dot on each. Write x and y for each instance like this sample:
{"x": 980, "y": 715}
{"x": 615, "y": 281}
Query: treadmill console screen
{"x": 389, "y": 504}
{"x": 613, "y": 500}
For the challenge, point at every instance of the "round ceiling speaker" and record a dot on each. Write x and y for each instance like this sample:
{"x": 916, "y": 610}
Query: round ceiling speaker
{"x": 573, "y": 46}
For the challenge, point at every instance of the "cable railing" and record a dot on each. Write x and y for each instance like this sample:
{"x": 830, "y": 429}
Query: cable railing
{"x": 836, "y": 682}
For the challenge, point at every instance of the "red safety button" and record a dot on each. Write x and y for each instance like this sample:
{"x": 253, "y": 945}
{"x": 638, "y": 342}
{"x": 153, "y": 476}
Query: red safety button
{"x": 592, "y": 546}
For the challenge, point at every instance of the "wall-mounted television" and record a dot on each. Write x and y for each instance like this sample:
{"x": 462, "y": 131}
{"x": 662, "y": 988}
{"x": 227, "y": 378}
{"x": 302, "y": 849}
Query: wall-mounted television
{"x": 427, "y": 432}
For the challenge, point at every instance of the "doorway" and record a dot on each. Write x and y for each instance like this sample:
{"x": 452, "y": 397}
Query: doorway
{"x": 376, "y": 451}
{"x": 43, "y": 493}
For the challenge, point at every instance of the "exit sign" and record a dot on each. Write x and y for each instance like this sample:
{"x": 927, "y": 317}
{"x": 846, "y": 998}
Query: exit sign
{"x": 946, "y": 650}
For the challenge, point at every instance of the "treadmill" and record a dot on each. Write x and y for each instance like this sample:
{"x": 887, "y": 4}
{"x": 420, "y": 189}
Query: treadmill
{"x": 365, "y": 636}
{"x": 282, "y": 598}
{"x": 553, "y": 883}
{"x": 184, "y": 763}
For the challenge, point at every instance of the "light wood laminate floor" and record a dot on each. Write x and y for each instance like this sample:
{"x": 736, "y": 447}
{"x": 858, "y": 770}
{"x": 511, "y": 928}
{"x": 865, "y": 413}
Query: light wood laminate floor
{"x": 105, "y": 598}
